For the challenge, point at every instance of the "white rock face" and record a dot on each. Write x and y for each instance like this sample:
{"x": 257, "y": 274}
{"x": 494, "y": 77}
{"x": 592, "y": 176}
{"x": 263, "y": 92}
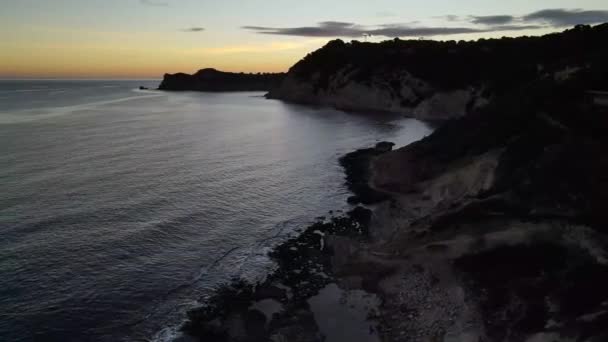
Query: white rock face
{"x": 467, "y": 180}
{"x": 386, "y": 91}
{"x": 566, "y": 74}
{"x": 443, "y": 106}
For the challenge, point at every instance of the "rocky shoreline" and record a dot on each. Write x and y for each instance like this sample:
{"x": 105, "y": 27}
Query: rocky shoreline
{"x": 313, "y": 281}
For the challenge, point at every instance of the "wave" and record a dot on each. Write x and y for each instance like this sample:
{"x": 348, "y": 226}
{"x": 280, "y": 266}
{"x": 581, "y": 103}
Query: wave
{"x": 29, "y": 90}
{"x": 55, "y": 92}
{"x": 255, "y": 257}
{"x": 52, "y": 112}
{"x": 146, "y": 91}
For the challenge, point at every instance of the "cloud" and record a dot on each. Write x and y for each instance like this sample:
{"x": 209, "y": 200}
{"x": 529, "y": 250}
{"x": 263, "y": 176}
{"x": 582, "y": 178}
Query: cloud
{"x": 450, "y": 17}
{"x": 501, "y": 28}
{"x": 492, "y": 19}
{"x": 194, "y": 29}
{"x": 352, "y": 30}
{"x": 544, "y": 19}
{"x": 323, "y": 29}
{"x": 567, "y": 17}
{"x": 407, "y": 31}
{"x": 156, "y": 3}
{"x": 554, "y": 18}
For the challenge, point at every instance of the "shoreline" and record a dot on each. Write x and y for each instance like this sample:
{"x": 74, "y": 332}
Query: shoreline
{"x": 441, "y": 259}
{"x": 311, "y": 273}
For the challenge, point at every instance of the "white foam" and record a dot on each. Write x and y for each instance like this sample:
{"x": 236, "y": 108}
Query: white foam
{"x": 167, "y": 335}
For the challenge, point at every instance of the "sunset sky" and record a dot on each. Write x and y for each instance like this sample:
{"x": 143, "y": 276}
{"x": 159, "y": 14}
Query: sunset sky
{"x": 146, "y": 38}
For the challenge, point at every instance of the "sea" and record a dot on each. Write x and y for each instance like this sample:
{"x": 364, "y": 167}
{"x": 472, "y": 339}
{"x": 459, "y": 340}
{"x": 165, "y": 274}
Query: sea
{"x": 121, "y": 209}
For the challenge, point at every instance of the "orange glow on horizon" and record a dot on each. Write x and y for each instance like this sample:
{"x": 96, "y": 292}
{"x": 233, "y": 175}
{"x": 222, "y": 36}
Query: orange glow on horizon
{"x": 143, "y": 57}
{"x": 149, "y": 56}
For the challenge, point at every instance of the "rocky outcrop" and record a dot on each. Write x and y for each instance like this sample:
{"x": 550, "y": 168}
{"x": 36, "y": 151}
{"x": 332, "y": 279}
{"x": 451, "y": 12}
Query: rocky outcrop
{"x": 356, "y": 167}
{"x": 432, "y": 80}
{"x": 214, "y": 80}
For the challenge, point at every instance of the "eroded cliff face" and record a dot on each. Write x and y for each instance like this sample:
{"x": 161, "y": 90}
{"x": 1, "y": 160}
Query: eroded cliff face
{"x": 395, "y": 91}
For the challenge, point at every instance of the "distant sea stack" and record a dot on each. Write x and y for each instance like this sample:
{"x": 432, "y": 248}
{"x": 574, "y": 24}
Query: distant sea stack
{"x": 434, "y": 80}
{"x": 215, "y": 80}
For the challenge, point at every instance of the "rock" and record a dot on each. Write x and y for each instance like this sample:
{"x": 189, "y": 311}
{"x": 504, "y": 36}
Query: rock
{"x": 270, "y": 292}
{"x": 384, "y": 146}
{"x": 354, "y": 200}
{"x": 356, "y": 166}
{"x": 255, "y": 323}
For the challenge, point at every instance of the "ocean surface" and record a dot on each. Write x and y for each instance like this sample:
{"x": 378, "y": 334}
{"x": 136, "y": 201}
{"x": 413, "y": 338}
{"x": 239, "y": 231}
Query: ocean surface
{"x": 120, "y": 208}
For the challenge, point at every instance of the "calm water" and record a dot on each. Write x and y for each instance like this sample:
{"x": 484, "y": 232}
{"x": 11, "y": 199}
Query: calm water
{"x": 120, "y": 208}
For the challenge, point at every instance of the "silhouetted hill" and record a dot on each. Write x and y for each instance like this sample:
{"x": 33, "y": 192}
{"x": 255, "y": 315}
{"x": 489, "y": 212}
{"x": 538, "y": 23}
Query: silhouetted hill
{"x": 435, "y": 80}
{"x": 214, "y": 80}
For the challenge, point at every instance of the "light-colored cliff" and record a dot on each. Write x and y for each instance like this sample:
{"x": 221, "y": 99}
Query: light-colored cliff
{"x": 395, "y": 91}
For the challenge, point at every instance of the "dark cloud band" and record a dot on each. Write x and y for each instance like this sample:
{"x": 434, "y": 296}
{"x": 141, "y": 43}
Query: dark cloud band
{"x": 492, "y": 19}
{"x": 353, "y": 31}
{"x": 564, "y": 17}
{"x": 549, "y": 18}
{"x": 194, "y": 29}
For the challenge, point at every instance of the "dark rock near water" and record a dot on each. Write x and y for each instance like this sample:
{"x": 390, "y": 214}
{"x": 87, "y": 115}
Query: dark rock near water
{"x": 214, "y": 80}
{"x": 356, "y": 166}
{"x": 303, "y": 267}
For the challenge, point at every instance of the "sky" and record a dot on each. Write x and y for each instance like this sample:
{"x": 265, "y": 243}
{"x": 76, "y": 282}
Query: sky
{"x": 135, "y": 39}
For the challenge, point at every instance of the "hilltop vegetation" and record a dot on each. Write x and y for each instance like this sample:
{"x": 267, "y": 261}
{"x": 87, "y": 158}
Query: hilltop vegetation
{"x": 498, "y": 63}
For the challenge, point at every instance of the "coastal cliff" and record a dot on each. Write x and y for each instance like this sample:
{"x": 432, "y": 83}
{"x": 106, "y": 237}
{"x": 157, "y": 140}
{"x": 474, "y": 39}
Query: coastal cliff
{"x": 432, "y": 80}
{"x": 493, "y": 228}
{"x": 214, "y": 80}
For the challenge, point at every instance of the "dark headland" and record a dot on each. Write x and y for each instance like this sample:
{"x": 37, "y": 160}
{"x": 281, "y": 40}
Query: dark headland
{"x": 493, "y": 228}
{"x": 215, "y": 80}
